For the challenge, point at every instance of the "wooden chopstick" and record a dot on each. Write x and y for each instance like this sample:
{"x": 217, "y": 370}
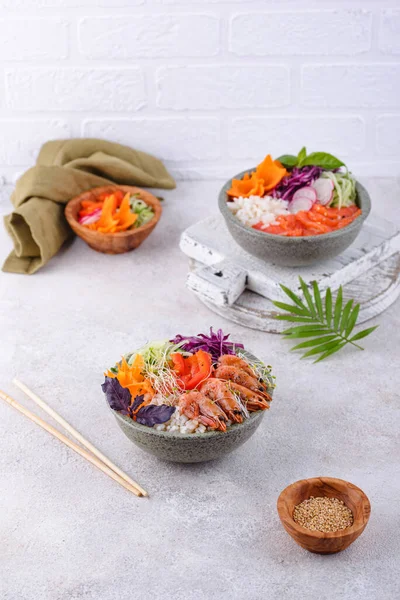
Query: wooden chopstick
{"x": 68, "y": 427}
{"x": 60, "y": 436}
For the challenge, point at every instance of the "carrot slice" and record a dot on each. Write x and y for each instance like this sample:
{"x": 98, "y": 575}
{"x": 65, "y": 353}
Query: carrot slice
{"x": 125, "y": 217}
{"x": 106, "y": 220}
{"x": 248, "y": 186}
{"x": 271, "y": 172}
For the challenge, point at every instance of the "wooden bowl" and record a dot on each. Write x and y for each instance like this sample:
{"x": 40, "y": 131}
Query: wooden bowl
{"x": 112, "y": 243}
{"x": 318, "y": 541}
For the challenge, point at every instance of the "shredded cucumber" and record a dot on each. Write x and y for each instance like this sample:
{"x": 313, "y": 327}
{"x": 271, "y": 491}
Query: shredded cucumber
{"x": 145, "y": 213}
{"x": 344, "y": 192}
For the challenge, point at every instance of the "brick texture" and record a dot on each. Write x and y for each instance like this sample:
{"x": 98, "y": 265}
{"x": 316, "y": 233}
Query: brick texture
{"x": 388, "y": 135}
{"x": 389, "y": 32}
{"x": 20, "y": 139}
{"x": 354, "y": 86}
{"x": 75, "y": 89}
{"x": 27, "y": 39}
{"x": 210, "y": 86}
{"x": 316, "y": 32}
{"x": 222, "y": 86}
{"x": 149, "y": 36}
{"x": 172, "y": 139}
{"x": 342, "y": 135}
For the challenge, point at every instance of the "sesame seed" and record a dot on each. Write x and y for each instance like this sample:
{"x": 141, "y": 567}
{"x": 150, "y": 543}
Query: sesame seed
{"x": 323, "y": 514}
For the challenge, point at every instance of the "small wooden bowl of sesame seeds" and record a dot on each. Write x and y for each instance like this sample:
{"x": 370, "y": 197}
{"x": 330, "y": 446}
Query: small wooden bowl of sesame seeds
{"x": 323, "y": 514}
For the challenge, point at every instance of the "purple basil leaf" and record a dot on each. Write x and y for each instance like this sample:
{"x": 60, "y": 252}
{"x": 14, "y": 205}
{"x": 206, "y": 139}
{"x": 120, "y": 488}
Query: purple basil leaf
{"x": 137, "y": 402}
{"x": 154, "y": 415}
{"x": 118, "y": 398}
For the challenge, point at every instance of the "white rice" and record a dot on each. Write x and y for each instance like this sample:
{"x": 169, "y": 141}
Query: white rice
{"x": 180, "y": 423}
{"x": 256, "y": 209}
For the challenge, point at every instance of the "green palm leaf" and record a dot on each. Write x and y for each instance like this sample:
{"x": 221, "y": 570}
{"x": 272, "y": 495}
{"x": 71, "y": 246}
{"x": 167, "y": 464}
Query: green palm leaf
{"x": 292, "y": 308}
{"x": 345, "y": 315}
{"x": 293, "y": 296}
{"x": 338, "y": 308}
{"x": 315, "y": 342}
{"x": 328, "y": 306}
{"x": 327, "y": 323}
{"x": 307, "y": 297}
{"x": 318, "y": 301}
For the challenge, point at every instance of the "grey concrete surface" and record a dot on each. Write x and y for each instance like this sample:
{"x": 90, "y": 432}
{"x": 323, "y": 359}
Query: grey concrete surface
{"x": 207, "y": 531}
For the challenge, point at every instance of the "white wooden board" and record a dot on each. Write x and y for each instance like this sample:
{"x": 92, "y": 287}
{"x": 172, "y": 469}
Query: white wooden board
{"x": 240, "y": 287}
{"x": 228, "y": 269}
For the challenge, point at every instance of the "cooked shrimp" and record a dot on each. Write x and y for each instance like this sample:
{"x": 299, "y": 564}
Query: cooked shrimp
{"x": 218, "y": 392}
{"x": 196, "y": 405}
{"x": 242, "y": 378}
{"x": 231, "y": 360}
{"x": 253, "y": 400}
{"x": 211, "y": 414}
{"x": 189, "y": 404}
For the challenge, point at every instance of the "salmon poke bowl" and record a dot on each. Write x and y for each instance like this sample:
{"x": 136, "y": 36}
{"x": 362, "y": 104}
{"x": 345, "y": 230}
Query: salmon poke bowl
{"x": 295, "y": 210}
{"x": 190, "y": 398}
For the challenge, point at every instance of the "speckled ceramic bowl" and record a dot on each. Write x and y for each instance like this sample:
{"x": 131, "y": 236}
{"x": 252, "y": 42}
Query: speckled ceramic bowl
{"x": 293, "y": 251}
{"x": 189, "y": 448}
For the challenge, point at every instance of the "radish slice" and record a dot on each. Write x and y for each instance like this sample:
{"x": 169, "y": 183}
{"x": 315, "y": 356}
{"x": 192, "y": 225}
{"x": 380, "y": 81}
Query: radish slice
{"x": 324, "y": 190}
{"x": 92, "y": 218}
{"x": 300, "y": 203}
{"x": 303, "y": 199}
{"x": 306, "y": 192}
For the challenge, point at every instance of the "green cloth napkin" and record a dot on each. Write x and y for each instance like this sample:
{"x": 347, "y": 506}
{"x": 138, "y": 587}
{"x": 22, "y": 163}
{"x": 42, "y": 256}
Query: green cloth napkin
{"x": 63, "y": 170}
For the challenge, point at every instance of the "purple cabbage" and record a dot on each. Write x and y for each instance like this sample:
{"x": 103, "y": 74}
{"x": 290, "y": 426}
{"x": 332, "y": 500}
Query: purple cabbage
{"x": 215, "y": 343}
{"x": 297, "y": 179}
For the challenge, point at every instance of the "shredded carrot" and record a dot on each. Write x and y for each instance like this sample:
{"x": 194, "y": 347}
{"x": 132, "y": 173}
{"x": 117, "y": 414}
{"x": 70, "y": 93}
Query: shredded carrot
{"x": 131, "y": 377}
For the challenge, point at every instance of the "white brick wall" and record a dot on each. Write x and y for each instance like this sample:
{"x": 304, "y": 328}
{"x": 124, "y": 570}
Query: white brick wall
{"x": 210, "y": 86}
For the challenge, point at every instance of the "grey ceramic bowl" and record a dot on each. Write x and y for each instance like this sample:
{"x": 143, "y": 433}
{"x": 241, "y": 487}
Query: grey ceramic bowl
{"x": 189, "y": 448}
{"x": 293, "y": 251}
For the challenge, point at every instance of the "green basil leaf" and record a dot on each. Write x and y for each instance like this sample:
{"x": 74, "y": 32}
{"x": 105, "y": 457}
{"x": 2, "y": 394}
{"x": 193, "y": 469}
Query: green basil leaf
{"x": 323, "y": 160}
{"x": 288, "y": 160}
{"x": 301, "y": 156}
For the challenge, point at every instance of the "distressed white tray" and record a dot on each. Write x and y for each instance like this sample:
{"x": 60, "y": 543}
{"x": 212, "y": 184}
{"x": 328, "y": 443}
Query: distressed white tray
{"x": 240, "y": 287}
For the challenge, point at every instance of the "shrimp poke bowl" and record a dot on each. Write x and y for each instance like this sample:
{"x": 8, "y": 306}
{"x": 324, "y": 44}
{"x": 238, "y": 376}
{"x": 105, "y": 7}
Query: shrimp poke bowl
{"x": 295, "y": 210}
{"x": 191, "y": 398}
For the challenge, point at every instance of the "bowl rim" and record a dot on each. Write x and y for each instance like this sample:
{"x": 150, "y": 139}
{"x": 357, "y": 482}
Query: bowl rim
{"x": 119, "y": 234}
{"x": 227, "y": 213}
{"x": 183, "y": 436}
{"x": 192, "y": 436}
{"x": 357, "y": 528}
